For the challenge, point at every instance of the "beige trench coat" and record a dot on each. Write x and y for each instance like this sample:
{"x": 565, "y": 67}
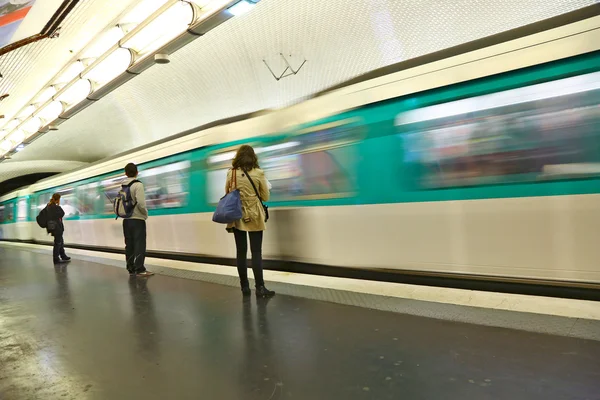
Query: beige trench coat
{"x": 253, "y": 213}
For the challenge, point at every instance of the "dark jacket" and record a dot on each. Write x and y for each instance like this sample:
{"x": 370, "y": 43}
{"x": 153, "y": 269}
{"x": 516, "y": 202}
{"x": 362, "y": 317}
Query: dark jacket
{"x": 56, "y": 213}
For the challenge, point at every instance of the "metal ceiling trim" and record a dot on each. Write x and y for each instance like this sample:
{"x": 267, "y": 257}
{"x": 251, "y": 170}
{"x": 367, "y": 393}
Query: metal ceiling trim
{"x": 198, "y": 27}
{"x": 74, "y": 110}
{"x": 99, "y": 93}
{"x": 139, "y": 66}
{"x": 65, "y": 9}
{"x": 203, "y": 26}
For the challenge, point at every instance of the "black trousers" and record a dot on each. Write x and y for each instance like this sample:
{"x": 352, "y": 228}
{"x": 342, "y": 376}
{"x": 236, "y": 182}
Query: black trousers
{"x": 241, "y": 245}
{"x": 58, "y": 251}
{"x": 134, "y": 231}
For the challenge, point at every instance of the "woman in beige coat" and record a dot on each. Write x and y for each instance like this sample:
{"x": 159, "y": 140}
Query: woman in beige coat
{"x": 245, "y": 166}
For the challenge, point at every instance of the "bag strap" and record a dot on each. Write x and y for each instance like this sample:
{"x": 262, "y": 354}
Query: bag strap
{"x": 253, "y": 187}
{"x": 130, "y": 184}
{"x": 233, "y": 181}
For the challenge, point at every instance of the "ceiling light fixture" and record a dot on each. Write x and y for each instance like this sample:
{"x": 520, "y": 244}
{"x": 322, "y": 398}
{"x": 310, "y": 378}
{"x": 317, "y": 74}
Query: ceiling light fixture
{"x": 17, "y": 137}
{"x": 104, "y": 43}
{"x": 126, "y": 49}
{"x": 110, "y": 67}
{"x": 32, "y": 125}
{"x": 45, "y": 95}
{"x": 51, "y": 111}
{"x": 71, "y": 72}
{"x": 241, "y": 8}
{"x": 12, "y": 124}
{"x": 76, "y": 92}
{"x": 5, "y": 145}
{"x": 161, "y": 30}
{"x": 27, "y": 111}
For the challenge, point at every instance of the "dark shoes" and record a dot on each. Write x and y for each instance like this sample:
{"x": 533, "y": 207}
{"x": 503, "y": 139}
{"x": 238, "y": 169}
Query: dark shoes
{"x": 144, "y": 274}
{"x": 261, "y": 291}
{"x": 63, "y": 261}
{"x": 264, "y": 293}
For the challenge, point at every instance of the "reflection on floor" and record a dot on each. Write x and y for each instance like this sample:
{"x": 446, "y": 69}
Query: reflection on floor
{"x": 88, "y": 331}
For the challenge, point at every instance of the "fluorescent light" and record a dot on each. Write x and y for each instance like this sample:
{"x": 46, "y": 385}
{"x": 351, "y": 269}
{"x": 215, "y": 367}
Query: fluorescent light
{"x": 71, "y": 72}
{"x": 51, "y": 111}
{"x": 77, "y": 92}
{"x": 241, "y": 8}
{"x": 202, "y": 3}
{"x": 106, "y": 40}
{"x": 3, "y": 134}
{"x": 32, "y": 125}
{"x": 46, "y": 95}
{"x": 27, "y": 111}
{"x": 17, "y": 137}
{"x": 112, "y": 66}
{"x": 20, "y": 147}
{"x": 6, "y": 145}
{"x": 142, "y": 11}
{"x": 12, "y": 124}
{"x": 161, "y": 30}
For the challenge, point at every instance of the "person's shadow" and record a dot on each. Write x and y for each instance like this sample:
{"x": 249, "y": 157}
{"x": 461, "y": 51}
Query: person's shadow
{"x": 63, "y": 292}
{"x": 145, "y": 326}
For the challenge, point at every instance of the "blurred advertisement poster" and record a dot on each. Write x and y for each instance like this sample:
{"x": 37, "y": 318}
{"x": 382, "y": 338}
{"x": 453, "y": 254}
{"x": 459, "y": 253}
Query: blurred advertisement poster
{"x": 12, "y": 14}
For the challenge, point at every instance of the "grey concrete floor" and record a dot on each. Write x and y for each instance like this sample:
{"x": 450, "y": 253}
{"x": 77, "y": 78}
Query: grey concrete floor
{"x": 88, "y": 331}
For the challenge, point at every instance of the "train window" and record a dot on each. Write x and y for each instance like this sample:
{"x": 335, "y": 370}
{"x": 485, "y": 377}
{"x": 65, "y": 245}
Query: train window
{"x": 166, "y": 186}
{"x": 69, "y": 202}
{"x": 109, "y": 189}
{"x": 41, "y": 201}
{"x": 538, "y": 132}
{"x": 315, "y": 163}
{"x": 22, "y": 210}
{"x": 88, "y": 200}
{"x": 219, "y": 162}
{"x": 7, "y": 213}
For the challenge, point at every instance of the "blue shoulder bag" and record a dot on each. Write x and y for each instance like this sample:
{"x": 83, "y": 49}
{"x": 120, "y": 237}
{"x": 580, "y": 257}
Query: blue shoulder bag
{"x": 229, "y": 208}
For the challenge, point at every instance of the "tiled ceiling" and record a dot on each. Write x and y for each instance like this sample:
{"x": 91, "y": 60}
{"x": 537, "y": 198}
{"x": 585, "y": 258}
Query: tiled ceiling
{"x": 26, "y": 70}
{"x": 223, "y": 74}
{"x": 20, "y": 168}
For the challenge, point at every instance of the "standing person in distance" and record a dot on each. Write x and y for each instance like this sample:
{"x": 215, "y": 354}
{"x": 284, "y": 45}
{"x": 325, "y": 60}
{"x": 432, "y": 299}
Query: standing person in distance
{"x": 56, "y": 228}
{"x": 244, "y": 169}
{"x": 134, "y": 227}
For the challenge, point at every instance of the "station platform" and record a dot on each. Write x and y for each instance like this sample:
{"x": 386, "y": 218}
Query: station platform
{"x": 87, "y": 330}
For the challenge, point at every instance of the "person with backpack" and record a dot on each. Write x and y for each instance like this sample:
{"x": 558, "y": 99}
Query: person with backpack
{"x": 247, "y": 177}
{"x": 131, "y": 206}
{"x": 54, "y": 226}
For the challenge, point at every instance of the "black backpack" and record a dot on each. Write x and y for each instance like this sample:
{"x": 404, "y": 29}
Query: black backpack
{"x": 42, "y": 218}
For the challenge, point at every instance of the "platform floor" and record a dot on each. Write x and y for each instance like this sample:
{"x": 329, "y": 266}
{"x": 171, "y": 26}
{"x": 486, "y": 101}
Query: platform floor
{"x": 88, "y": 331}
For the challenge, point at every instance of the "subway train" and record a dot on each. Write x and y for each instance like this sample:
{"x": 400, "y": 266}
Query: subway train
{"x": 485, "y": 163}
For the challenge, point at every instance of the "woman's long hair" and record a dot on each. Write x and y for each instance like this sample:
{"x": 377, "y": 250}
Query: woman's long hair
{"x": 55, "y": 199}
{"x": 245, "y": 158}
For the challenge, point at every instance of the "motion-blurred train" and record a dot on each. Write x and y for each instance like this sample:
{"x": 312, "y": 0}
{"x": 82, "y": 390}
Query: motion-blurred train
{"x": 485, "y": 163}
